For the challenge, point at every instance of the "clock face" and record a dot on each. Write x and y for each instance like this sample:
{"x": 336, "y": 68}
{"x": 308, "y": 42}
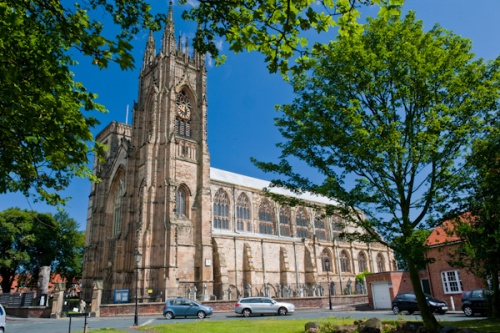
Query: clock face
{"x": 183, "y": 110}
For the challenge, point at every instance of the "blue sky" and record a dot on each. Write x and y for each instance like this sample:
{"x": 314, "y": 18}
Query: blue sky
{"x": 242, "y": 94}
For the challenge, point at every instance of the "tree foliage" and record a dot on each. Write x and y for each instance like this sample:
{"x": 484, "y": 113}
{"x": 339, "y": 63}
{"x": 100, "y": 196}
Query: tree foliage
{"x": 277, "y": 29}
{"x": 45, "y": 128}
{"x": 479, "y": 227}
{"x": 384, "y": 118}
{"x": 30, "y": 240}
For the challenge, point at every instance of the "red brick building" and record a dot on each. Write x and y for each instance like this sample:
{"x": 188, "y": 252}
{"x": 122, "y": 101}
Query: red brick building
{"x": 439, "y": 279}
{"x": 448, "y": 282}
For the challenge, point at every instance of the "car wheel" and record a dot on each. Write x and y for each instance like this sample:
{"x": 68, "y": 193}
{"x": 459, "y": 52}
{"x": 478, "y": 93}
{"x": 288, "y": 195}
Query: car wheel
{"x": 468, "y": 311}
{"x": 395, "y": 309}
{"x": 168, "y": 315}
{"x": 201, "y": 314}
{"x": 282, "y": 311}
{"x": 247, "y": 312}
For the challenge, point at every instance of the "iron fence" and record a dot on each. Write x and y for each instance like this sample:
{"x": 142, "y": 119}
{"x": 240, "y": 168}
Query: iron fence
{"x": 206, "y": 291}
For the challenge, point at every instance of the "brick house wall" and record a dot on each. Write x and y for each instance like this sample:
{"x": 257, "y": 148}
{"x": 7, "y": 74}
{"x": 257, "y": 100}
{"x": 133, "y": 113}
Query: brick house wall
{"x": 440, "y": 266}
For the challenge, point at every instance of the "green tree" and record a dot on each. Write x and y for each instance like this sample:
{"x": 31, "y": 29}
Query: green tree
{"x": 15, "y": 240}
{"x": 278, "y": 29}
{"x": 44, "y": 126}
{"x": 479, "y": 228}
{"x": 384, "y": 118}
{"x": 30, "y": 240}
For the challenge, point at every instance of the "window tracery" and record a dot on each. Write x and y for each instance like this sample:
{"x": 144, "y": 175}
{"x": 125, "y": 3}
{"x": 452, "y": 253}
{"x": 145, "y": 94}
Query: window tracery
{"x": 243, "y": 213}
{"x": 362, "y": 263}
{"x": 117, "y": 206}
{"x": 285, "y": 221}
{"x": 344, "y": 262}
{"x": 301, "y": 221}
{"x": 380, "y": 263}
{"x": 326, "y": 261}
{"x": 319, "y": 227}
{"x": 181, "y": 202}
{"x": 221, "y": 210}
{"x": 266, "y": 218}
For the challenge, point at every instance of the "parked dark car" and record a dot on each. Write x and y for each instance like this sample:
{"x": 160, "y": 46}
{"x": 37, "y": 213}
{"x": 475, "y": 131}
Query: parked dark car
{"x": 408, "y": 302}
{"x": 184, "y": 307}
{"x": 475, "y": 301}
{"x": 262, "y": 305}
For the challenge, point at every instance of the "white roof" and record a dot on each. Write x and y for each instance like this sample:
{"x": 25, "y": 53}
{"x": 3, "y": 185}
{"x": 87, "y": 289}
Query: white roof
{"x": 259, "y": 184}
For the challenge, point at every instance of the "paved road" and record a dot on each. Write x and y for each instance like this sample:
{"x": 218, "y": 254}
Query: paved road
{"x": 29, "y": 325}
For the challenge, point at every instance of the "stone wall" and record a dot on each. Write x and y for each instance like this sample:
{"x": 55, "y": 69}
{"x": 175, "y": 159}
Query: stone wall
{"x": 300, "y": 303}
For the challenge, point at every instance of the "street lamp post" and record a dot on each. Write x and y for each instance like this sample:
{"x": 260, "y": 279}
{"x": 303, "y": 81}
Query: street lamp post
{"x": 327, "y": 268}
{"x": 137, "y": 256}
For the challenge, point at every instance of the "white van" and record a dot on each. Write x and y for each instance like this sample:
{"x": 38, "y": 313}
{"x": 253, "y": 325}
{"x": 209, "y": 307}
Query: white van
{"x": 2, "y": 318}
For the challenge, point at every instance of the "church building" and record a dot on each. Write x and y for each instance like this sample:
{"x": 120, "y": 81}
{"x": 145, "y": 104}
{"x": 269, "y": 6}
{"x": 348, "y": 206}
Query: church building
{"x": 163, "y": 214}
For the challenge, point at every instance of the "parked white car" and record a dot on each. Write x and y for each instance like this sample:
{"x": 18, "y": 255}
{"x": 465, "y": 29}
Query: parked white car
{"x": 262, "y": 305}
{"x": 3, "y": 315}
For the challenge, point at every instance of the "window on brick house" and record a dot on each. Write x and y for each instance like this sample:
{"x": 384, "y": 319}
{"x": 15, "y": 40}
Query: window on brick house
{"x": 451, "y": 282}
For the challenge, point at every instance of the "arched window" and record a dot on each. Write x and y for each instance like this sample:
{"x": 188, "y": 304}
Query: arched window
{"x": 266, "y": 218}
{"x": 301, "y": 219}
{"x": 181, "y": 202}
{"x": 319, "y": 227}
{"x": 243, "y": 213}
{"x": 326, "y": 262}
{"x": 380, "y": 263}
{"x": 337, "y": 228}
{"x": 221, "y": 210}
{"x": 118, "y": 206}
{"x": 183, "y": 110}
{"x": 285, "y": 221}
{"x": 344, "y": 262}
{"x": 362, "y": 262}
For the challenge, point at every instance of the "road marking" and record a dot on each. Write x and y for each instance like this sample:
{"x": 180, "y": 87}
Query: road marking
{"x": 147, "y": 323}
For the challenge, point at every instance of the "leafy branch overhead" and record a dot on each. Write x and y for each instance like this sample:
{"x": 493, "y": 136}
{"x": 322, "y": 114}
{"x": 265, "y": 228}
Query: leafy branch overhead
{"x": 45, "y": 133}
{"x": 384, "y": 120}
{"x": 277, "y": 29}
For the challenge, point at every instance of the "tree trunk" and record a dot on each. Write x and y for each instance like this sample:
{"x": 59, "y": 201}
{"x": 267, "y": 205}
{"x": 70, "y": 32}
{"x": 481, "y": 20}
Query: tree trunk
{"x": 43, "y": 284}
{"x": 495, "y": 299}
{"x": 7, "y": 279}
{"x": 428, "y": 318}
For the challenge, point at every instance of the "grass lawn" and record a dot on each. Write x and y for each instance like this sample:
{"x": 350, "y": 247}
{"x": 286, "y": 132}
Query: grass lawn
{"x": 273, "y": 325}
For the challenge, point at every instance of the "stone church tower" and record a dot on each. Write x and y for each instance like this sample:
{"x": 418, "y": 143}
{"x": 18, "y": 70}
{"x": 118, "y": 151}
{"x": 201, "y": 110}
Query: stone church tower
{"x": 156, "y": 180}
{"x": 202, "y": 232}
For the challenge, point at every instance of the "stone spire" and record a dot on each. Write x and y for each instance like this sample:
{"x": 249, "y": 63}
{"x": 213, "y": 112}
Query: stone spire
{"x": 150, "y": 53}
{"x": 168, "y": 41}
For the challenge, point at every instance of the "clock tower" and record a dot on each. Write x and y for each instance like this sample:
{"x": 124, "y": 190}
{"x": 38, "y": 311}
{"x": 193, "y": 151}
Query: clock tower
{"x": 158, "y": 181}
{"x": 171, "y": 224}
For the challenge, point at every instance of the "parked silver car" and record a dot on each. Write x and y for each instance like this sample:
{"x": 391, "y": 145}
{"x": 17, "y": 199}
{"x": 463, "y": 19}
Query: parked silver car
{"x": 262, "y": 305}
{"x": 3, "y": 315}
